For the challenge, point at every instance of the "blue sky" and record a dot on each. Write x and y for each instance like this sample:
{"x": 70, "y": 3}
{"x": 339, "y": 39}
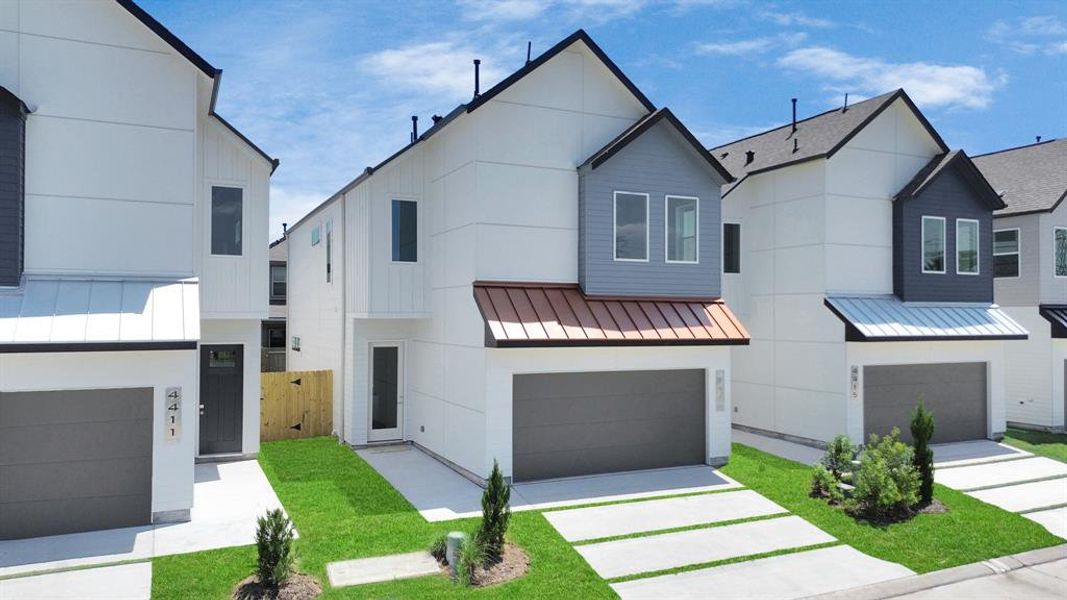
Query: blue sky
{"x": 329, "y": 86}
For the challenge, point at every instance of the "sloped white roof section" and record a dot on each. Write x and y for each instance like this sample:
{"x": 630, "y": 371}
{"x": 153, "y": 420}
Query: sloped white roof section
{"x": 888, "y": 318}
{"x": 72, "y": 311}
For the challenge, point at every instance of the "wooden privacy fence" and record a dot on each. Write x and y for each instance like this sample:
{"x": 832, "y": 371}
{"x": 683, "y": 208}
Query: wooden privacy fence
{"x": 295, "y": 404}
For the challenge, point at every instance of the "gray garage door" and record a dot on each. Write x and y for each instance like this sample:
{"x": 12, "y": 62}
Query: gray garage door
{"x": 568, "y": 424}
{"x": 955, "y": 392}
{"x": 74, "y": 461}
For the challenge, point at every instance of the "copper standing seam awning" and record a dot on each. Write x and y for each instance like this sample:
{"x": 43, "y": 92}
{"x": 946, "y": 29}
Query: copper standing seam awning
{"x": 539, "y": 314}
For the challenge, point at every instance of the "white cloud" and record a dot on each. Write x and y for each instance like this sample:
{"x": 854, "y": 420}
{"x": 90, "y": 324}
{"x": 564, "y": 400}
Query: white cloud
{"x": 288, "y": 207}
{"x": 758, "y": 45}
{"x": 950, "y": 86}
{"x": 1057, "y": 48}
{"x": 1028, "y": 35}
{"x": 794, "y": 19}
{"x": 502, "y": 10}
{"x": 443, "y": 67}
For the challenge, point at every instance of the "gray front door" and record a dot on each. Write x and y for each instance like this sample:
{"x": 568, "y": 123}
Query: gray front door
{"x": 567, "y": 424}
{"x": 221, "y": 398}
{"x": 74, "y": 460}
{"x": 955, "y": 392}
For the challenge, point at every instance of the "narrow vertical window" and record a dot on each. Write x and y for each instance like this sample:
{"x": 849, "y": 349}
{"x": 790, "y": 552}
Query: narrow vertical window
{"x": 12, "y": 178}
{"x": 933, "y": 232}
{"x": 1006, "y": 253}
{"x": 405, "y": 231}
{"x": 277, "y": 282}
{"x": 226, "y": 220}
{"x": 967, "y": 252}
{"x": 731, "y": 247}
{"x": 682, "y": 227}
{"x": 329, "y": 251}
{"x": 631, "y": 226}
{"x": 316, "y": 235}
{"x": 1059, "y": 250}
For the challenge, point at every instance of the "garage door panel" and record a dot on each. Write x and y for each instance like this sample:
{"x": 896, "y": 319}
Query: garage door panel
{"x": 81, "y": 479}
{"x": 55, "y": 517}
{"x": 955, "y": 392}
{"x": 74, "y": 441}
{"x": 75, "y": 406}
{"x": 582, "y": 423}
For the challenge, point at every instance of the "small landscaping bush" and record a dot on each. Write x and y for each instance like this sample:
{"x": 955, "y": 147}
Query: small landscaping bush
{"x": 439, "y": 547}
{"x": 496, "y": 513}
{"x": 825, "y": 485}
{"x": 922, "y": 431}
{"x": 887, "y": 482}
{"x": 472, "y": 554}
{"x": 274, "y": 541}
{"x": 839, "y": 456}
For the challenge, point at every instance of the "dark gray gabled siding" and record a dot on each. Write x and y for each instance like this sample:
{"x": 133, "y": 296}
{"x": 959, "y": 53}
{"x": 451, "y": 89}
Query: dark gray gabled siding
{"x": 12, "y": 144}
{"x": 658, "y": 163}
{"x": 948, "y": 196}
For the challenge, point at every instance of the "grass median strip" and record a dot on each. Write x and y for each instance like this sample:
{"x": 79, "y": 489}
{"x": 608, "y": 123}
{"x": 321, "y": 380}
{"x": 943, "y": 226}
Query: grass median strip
{"x": 719, "y": 563}
{"x": 1052, "y": 445}
{"x": 712, "y": 525}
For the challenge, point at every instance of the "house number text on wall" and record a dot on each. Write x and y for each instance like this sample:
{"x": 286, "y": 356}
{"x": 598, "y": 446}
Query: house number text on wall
{"x": 172, "y": 414}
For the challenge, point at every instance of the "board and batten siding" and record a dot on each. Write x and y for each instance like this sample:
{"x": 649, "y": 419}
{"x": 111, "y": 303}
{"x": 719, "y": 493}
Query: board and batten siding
{"x": 658, "y": 163}
{"x": 12, "y": 138}
{"x": 950, "y": 197}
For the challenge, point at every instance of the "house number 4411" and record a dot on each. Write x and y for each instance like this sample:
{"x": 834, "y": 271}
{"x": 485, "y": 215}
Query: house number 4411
{"x": 172, "y": 415}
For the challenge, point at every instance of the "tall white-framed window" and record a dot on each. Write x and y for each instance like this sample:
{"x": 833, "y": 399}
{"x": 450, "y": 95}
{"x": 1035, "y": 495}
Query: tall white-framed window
{"x": 682, "y": 229}
{"x": 1007, "y": 257}
{"x": 631, "y": 226}
{"x": 1059, "y": 251}
{"x": 967, "y": 248}
{"x": 933, "y": 249}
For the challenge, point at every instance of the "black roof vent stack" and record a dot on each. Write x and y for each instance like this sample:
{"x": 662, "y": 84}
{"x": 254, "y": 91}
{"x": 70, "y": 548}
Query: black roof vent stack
{"x": 796, "y": 146}
{"x": 1038, "y": 139}
{"x": 414, "y": 128}
{"x": 285, "y": 229}
{"x": 845, "y": 107}
{"x": 436, "y": 118}
{"x": 750, "y": 156}
{"x": 794, "y": 115}
{"x": 477, "y": 85}
{"x": 528, "y": 45}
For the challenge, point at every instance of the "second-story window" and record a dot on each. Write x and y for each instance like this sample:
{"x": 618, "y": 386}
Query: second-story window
{"x": 405, "y": 231}
{"x": 967, "y": 247}
{"x": 933, "y": 231}
{"x": 1006, "y": 253}
{"x": 731, "y": 247}
{"x": 277, "y": 282}
{"x": 682, "y": 227}
{"x": 631, "y": 226}
{"x": 226, "y": 221}
{"x": 1059, "y": 251}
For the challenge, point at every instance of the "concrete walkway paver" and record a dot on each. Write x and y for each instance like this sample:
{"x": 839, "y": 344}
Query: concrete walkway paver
{"x": 1028, "y": 584}
{"x": 668, "y": 513}
{"x": 381, "y": 568}
{"x": 672, "y": 550}
{"x": 1026, "y": 496}
{"x": 783, "y": 577}
{"x": 1055, "y": 520}
{"x": 1000, "y": 473}
{"x": 120, "y": 582}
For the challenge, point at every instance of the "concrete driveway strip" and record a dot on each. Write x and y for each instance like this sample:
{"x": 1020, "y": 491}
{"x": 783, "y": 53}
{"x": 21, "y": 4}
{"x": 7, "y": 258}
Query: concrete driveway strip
{"x": 1001, "y": 473}
{"x": 671, "y": 550}
{"x": 1028, "y": 584}
{"x": 1055, "y": 520}
{"x": 788, "y": 576}
{"x": 1026, "y": 496}
{"x": 121, "y": 582}
{"x": 655, "y": 515}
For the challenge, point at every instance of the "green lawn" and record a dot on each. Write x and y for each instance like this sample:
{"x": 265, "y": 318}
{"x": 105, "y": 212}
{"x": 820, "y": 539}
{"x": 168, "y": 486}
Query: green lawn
{"x": 969, "y": 531}
{"x": 343, "y": 509}
{"x": 1052, "y": 445}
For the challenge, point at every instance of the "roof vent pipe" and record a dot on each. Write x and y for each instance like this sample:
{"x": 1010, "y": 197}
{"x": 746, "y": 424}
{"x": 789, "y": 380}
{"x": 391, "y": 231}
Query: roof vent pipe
{"x": 1038, "y": 139}
{"x": 528, "y": 45}
{"x": 795, "y": 145}
{"x": 414, "y": 128}
{"x": 845, "y": 107}
{"x": 794, "y": 115}
{"x": 749, "y": 156}
{"x": 436, "y": 118}
{"x": 285, "y": 229}
{"x": 477, "y": 85}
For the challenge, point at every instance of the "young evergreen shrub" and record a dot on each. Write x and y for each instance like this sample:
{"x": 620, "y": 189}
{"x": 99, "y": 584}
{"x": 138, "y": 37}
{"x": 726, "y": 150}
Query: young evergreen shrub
{"x": 887, "y": 483}
{"x": 825, "y": 485}
{"x": 274, "y": 541}
{"x": 839, "y": 455}
{"x": 496, "y": 513}
{"x": 922, "y": 431}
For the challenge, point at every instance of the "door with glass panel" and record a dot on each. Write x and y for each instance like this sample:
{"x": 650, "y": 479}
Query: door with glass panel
{"x": 386, "y": 392}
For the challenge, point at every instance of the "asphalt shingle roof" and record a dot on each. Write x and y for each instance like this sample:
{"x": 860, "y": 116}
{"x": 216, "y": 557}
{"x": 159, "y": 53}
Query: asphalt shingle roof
{"x": 1029, "y": 179}
{"x": 965, "y": 167}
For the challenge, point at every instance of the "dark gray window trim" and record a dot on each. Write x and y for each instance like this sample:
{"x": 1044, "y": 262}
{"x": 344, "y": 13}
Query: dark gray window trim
{"x": 666, "y": 230}
{"x": 944, "y": 245}
{"x": 1018, "y": 254}
{"x": 978, "y": 246}
{"x": 418, "y": 210}
{"x": 211, "y": 217}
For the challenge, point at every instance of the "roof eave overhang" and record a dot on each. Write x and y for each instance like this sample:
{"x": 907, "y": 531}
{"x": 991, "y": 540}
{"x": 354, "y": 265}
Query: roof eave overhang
{"x": 53, "y": 347}
{"x": 167, "y": 36}
{"x": 1058, "y": 327}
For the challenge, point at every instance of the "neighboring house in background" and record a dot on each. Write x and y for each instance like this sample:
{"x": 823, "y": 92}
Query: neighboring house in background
{"x": 534, "y": 280}
{"x": 273, "y": 338}
{"x": 133, "y": 266}
{"x": 859, "y": 255}
{"x": 1030, "y": 270}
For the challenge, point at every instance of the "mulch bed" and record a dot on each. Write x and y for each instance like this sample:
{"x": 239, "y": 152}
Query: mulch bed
{"x": 299, "y": 587}
{"x": 512, "y": 564}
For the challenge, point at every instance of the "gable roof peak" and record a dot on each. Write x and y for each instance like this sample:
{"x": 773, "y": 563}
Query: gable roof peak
{"x": 940, "y": 164}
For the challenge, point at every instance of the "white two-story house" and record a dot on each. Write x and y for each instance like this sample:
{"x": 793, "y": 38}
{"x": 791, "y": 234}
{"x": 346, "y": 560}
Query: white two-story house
{"x": 534, "y": 280}
{"x": 858, "y": 252}
{"x": 1030, "y": 270}
{"x": 133, "y": 270}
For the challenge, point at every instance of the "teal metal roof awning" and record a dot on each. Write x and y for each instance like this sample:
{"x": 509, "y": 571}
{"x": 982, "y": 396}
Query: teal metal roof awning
{"x": 889, "y": 319}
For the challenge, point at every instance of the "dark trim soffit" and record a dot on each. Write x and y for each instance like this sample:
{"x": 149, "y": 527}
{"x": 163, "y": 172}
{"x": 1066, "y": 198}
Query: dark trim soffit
{"x": 165, "y": 34}
{"x": 20, "y": 348}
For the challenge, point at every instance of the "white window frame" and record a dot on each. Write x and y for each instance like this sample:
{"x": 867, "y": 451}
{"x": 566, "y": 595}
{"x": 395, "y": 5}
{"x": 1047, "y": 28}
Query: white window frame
{"x": 977, "y": 246}
{"x": 944, "y": 243}
{"x": 1018, "y": 253}
{"x": 615, "y": 226}
{"x": 722, "y": 259}
{"x": 666, "y": 230}
{"x": 270, "y": 276}
{"x": 418, "y": 231}
{"x": 1054, "y": 230}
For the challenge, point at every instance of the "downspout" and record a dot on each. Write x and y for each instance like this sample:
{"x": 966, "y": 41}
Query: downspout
{"x": 344, "y": 310}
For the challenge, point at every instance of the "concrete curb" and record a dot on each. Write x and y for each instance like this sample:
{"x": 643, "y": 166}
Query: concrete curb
{"x": 918, "y": 583}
